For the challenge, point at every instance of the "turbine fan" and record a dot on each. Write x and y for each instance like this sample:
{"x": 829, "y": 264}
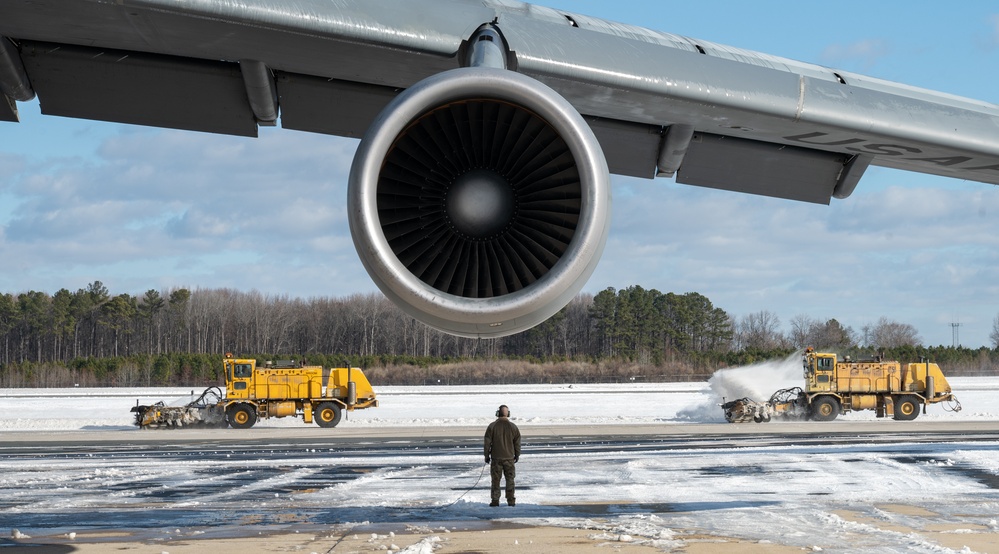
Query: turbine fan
{"x": 479, "y": 198}
{"x": 479, "y": 201}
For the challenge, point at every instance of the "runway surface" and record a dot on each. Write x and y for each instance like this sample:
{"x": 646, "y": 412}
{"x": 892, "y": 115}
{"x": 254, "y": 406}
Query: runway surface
{"x": 219, "y": 481}
{"x": 645, "y": 461}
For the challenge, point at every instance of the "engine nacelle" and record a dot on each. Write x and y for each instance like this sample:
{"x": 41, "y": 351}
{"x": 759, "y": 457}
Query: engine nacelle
{"x": 479, "y": 202}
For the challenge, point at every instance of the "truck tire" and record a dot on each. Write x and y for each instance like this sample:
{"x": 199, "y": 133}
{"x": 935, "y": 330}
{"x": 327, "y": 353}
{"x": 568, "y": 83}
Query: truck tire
{"x": 825, "y": 408}
{"x": 906, "y": 407}
{"x": 327, "y": 414}
{"x": 241, "y": 416}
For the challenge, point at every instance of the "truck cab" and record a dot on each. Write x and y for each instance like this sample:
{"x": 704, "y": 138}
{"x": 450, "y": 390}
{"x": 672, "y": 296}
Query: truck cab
{"x": 239, "y": 378}
{"x": 820, "y": 371}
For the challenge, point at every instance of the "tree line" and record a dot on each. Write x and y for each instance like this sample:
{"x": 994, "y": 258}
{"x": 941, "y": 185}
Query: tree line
{"x": 94, "y": 323}
{"x": 159, "y": 332}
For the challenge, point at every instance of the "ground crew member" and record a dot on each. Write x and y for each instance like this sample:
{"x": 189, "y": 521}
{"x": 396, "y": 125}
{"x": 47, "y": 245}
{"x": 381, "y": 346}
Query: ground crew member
{"x": 502, "y": 446}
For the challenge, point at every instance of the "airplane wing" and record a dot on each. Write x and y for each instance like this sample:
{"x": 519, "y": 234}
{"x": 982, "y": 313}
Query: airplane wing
{"x": 478, "y": 197}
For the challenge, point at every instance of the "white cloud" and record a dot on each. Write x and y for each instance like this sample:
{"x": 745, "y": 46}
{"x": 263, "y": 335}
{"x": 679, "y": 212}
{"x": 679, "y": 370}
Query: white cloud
{"x": 910, "y": 253}
{"x": 171, "y": 205}
{"x": 156, "y": 209}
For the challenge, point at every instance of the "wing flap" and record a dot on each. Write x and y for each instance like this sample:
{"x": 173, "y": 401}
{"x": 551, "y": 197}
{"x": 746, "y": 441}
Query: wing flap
{"x": 8, "y": 109}
{"x": 142, "y": 89}
{"x": 734, "y": 164}
{"x": 630, "y": 148}
{"x": 329, "y": 106}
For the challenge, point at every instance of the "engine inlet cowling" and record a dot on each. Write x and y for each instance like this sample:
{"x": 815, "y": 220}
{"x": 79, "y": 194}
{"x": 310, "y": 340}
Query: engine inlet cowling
{"x": 479, "y": 202}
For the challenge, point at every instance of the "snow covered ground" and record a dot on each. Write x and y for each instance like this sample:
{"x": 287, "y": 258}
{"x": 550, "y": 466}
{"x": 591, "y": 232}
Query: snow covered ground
{"x": 861, "y": 496}
{"x": 584, "y": 404}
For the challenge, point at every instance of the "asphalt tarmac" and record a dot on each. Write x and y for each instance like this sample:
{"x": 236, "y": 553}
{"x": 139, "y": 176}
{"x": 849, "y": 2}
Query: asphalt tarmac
{"x": 223, "y": 481}
{"x": 878, "y": 430}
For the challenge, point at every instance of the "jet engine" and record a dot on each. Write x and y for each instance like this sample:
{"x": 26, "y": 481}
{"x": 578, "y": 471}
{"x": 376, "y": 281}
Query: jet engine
{"x": 479, "y": 201}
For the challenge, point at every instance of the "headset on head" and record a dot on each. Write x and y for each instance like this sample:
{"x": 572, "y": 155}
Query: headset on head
{"x": 500, "y": 410}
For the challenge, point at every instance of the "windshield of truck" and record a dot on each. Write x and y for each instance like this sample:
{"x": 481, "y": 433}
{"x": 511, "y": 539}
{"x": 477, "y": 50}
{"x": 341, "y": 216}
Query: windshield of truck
{"x": 242, "y": 371}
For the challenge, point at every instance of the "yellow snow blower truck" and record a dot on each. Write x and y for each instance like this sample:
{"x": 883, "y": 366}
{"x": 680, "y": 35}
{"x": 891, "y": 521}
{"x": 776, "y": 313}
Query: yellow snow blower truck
{"x": 282, "y": 389}
{"x": 833, "y": 387}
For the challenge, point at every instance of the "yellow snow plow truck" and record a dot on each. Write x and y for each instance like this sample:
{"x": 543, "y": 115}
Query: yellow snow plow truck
{"x": 833, "y": 387}
{"x": 282, "y": 389}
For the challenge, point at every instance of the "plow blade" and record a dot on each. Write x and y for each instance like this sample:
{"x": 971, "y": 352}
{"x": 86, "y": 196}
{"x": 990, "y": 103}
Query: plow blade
{"x": 205, "y": 411}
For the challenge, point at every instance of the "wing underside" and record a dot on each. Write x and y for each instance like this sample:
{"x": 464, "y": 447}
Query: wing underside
{"x": 659, "y": 104}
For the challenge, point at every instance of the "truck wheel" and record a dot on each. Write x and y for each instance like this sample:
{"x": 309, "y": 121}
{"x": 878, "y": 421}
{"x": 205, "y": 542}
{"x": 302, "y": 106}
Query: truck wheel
{"x": 241, "y": 416}
{"x": 906, "y": 407}
{"x": 327, "y": 414}
{"x": 825, "y": 408}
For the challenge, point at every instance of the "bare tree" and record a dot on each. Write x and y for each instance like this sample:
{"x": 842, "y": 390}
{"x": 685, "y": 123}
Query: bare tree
{"x": 892, "y": 334}
{"x": 994, "y": 335}
{"x": 577, "y": 325}
{"x": 801, "y": 329}
{"x": 831, "y": 335}
{"x": 760, "y": 330}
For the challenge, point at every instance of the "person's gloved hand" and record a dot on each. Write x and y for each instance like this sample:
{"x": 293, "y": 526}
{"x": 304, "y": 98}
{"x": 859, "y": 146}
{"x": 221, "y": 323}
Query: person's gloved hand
{"x": 487, "y": 459}
{"x": 516, "y": 459}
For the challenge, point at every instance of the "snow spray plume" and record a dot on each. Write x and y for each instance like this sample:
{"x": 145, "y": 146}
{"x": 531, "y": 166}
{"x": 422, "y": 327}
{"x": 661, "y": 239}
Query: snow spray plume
{"x": 757, "y": 382}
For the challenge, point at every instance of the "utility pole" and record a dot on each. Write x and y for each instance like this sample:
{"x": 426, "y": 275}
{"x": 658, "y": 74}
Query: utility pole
{"x": 954, "y": 334}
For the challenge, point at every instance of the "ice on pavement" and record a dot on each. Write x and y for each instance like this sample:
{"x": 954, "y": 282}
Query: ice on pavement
{"x": 820, "y": 495}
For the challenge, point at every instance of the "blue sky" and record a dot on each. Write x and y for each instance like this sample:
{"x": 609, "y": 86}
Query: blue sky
{"x": 141, "y": 208}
